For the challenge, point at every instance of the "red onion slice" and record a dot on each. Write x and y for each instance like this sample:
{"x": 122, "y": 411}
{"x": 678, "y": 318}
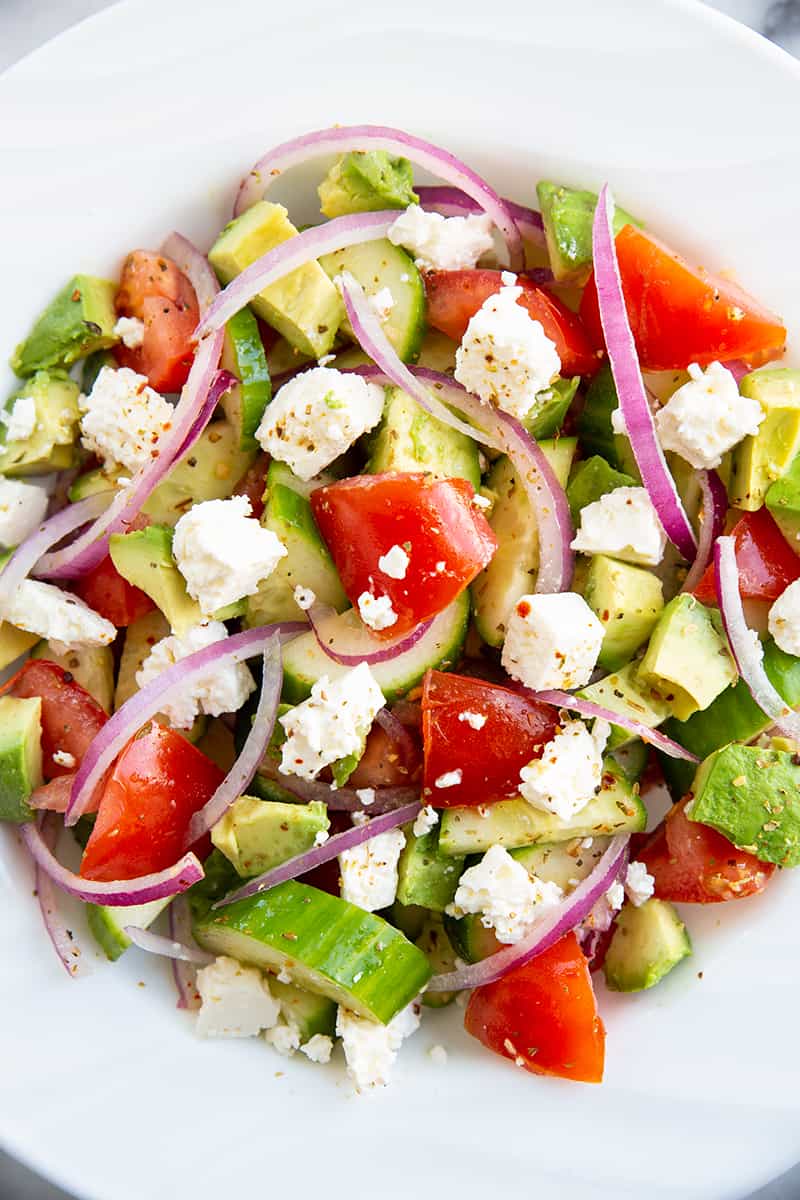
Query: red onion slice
{"x": 301, "y": 864}
{"x": 627, "y": 374}
{"x": 195, "y": 267}
{"x": 712, "y": 522}
{"x": 154, "y": 943}
{"x": 343, "y": 799}
{"x": 452, "y": 202}
{"x": 556, "y": 922}
{"x": 745, "y": 646}
{"x": 184, "y": 974}
{"x": 30, "y": 552}
{"x": 344, "y": 138}
{"x": 63, "y": 939}
{"x": 587, "y": 708}
{"x": 388, "y": 651}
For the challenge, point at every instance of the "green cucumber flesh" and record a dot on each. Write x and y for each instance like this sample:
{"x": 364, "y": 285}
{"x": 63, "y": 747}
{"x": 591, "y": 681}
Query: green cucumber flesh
{"x": 310, "y": 1014}
{"x": 107, "y": 924}
{"x": 378, "y": 265}
{"x": 564, "y": 863}
{"x": 243, "y": 355}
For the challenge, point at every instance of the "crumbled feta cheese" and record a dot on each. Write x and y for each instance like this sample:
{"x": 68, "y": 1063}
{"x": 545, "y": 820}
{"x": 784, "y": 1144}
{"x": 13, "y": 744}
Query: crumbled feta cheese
{"x": 639, "y": 883}
{"x": 616, "y": 895}
{"x": 123, "y": 419}
{"x": 426, "y": 820}
{"x": 369, "y": 871}
{"x": 370, "y": 1048}
{"x": 64, "y": 759}
{"x": 552, "y": 641}
{"x": 321, "y": 837}
{"x": 508, "y": 278}
{"x": 223, "y": 690}
{"x": 587, "y": 843}
{"x": 506, "y": 357}
{"x": 376, "y": 611}
{"x": 318, "y": 415}
{"x": 449, "y": 779}
{"x": 624, "y": 525}
{"x": 318, "y": 1048}
{"x": 383, "y": 303}
{"x": 284, "y": 1038}
{"x": 481, "y": 501}
{"x": 784, "y": 619}
{"x": 333, "y": 723}
{"x": 236, "y": 1000}
{"x": 618, "y": 423}
{"x": 366, "y": 796}
{"x": 394, "y": 562}
{"x": 283, "y": 976}
{"x": 223, "y": 553}
{"x": 707, "y": 416}
{"x": 570, "y": 771}
{"x": 20, "y": 419}
{"x": 442, "y": 243}
{"x": 130, "y": 330}
{"x": 304, "y": 598}
{"x": 43, "y": 609}
{"x": 22, "y": 509}
{"x": 507, "y": 897}
{"x": 474, "y": 720}
{"x": 359, "y": 818}
{"x": 438, "y": 1055}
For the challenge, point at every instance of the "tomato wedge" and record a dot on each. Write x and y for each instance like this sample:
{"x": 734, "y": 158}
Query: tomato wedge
{"x": 253, "y": 485}
{"x": 70, "y": 716}
{"x": 153, "y": 289}
{"x": 766, "y": 562}
{"x": 455, "y": 296}
{"x": 159, "y": 781}
{"x": 543, "y": 1015}
{"x": 681, "y": 314}
{"x": 446, "y": 539}
{"x": 490, "y": 755}
{"x": 696, "y": 865}
{"x": 105, "y": 590}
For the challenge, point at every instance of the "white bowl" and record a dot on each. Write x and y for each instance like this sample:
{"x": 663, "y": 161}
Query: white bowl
{"x": 143, "y": 119}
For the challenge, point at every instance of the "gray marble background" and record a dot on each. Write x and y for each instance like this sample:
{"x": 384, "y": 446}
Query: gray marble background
{"x": 26, "y": 24}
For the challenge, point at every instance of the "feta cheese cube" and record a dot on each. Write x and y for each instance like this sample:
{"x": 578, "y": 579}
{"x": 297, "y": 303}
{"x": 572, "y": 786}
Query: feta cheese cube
{"x": 449, "y": 779}
{"x": 318, "y": 415}
{"x": 639, "y": 883}
{"x": 130, "y": 330}
{"x": 369, "y": 871}
{"x": 366, "y": 796}
{"x": 123, "y": 418}
{"x": 552, "y": 641}
{"x": 507, "y": 897}
{"x": 784, "y": 619}
{"x": 570, "y": 771}
{"x": 223, "y": 690}
{"x": 376, "y": 611}
{"x": 223, "y": 553}
{"x": 706, "y": 417}
{"x": 383, "y": 303}
{"x": 442, "y": 243}
{"x": 43, "y": 609}
{"x": 394, "y": 562}
{"x": 318, "y": 1048}
{"x": 64, "y": 759}
{"x": 22, "y": 509}
{"x": 304, "y": 598}
{"x": 333, "y": 723}
{"x": 622, "y": 524}
{"x": 475, "y": 720}
{"x": 20, "y": 419}
{"x": 370, "y": 1049}
{"x": 506, "y": 357}
{"x": 284, "y": 1038}
{"x": 236, "y": 1000}
{"x": 438, "y": 1055}
{"x": 426, "y": 820}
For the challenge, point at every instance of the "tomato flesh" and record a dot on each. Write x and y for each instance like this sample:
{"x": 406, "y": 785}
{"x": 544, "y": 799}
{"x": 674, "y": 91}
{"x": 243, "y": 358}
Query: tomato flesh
{"x": 71, "y": 718}
{"x": 448, "y": 541}
{"x": 153, "y": 289}
{"x": 543, "y": 1015}
{"x": 253, "y": 485}
{"x": 680, "y": 314}
{"x": 765, "y": 561}
{"x": 490, "y": 758}
{"x": 105, "y": 590}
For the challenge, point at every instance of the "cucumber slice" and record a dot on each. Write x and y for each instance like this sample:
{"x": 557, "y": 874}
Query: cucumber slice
{"x": 108, "y": 924}
{"x": 470, "y": 939}
{"x": 408, "y": 439}
{"x": 328, "y": 945}
{"x": 647, "y": 943}
{"x": 304, "y": 662}
{"x": 378, "y": 265}
{"x": 565, "y": 863}
{"x": 243, "y": 355}
{"x": 309, "y": 1014}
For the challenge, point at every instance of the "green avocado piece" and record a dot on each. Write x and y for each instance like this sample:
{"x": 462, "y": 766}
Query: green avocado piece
{"x": 91, "y": 666}
{"x": 20, "y": 755}
{"x": 567, "y": 214}
{"x": 687, "y": 661}
{"x": 759, "y": 460}
{"x": 425, "y": 876}
{"x": 435, "y": 945}
{"x": 367, "y": 182}
{"x": 550, "y": 409}
{"x": 627, "y": 601}
{"x": 107, "y": 924}
{"x": 209, "y": 471}
{"x": 783, "y": 501}
{"x": 304, "y": 306}
{"x": 309, "y": 1014}
{"x": 647, "y": 943}
{"x": 51, "y": 445}
{"x": 14, "y": 643}
{"x": 243, "y": 355}
{"x": 594, "y": 425}
{"x": 409, "y": 919}
{"x": 140, "y": 637}
{"x": 408, "y": 439}
{"x": 470, "y": 938}
{"x": 750, "y": 795}
{"x": 78, "y": 321}
{"x": 590, "y": 480}
{"x": 93, "y": 365}
{"x": 256, "y": 835}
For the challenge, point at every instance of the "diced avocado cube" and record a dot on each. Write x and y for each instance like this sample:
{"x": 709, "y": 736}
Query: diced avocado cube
{"x": 568, "y": 214}
{"x": 107, "y": 924}
{"x": 590, "y": 480}
{"x": 425, "y": 876}
{"x": 78, "y": 321}
{"x": 435, "y": 945}
{"x": 92, "y": 366}
{"x": 90, "y": 666}
{"x": 647, "y": 943}
{"x": 243, "y": 355}
{"x": 762, "y": 458}
{"x": 14, "y": 643}
{"x": 256, "y": 835}
{"x": 783, "y": 501}
{"x": 594, "y": 425}
{"x": 627, "y": 601}
{"x": 550, "y": 408}
{"x": 408, "y": 439}
{"x": 687, "y": 661}
{"x": 209, "y": 471}
{"x": 409, "y": 918}
{"x": 304, "y": 306}
{"x": 366, "y": 182}
{"x": 92, "y": 482}
{"x": 752, "y": 797}
{"x": 20, "y": 755}
{"x": 309, "y": 1014}
{"x": 470, "y": 938}
{"x": 51, "y": 445}
{"x": 625, "y": 694}
{"x": 140, "y": 637}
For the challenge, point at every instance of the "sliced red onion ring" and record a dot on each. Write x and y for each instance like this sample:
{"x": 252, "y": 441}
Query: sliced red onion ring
{"x": 63, "y": 939}
{"x": 184, "y": 973}
{"x": 627, "y": 374}
{"x": 154, "y": 943}
{"x": 344, "y": 138}
{"x": 388, "y": 651}
{"x": 195, "y": 267}
{"x": 144, "y": 704}
{"x": 119, "y": 892}
{"x": 715, "y": 507}
{"x": 588, "y": 708}
{"x": 552, "y": 926}
{"x": 253, "y": 750}
{"x": 452, "y": 202}
{"x": 387, "y": 799}
{"x": 745, "y": 646}
{"x": 53, "y": 530}
{"x": 301, "y": 864}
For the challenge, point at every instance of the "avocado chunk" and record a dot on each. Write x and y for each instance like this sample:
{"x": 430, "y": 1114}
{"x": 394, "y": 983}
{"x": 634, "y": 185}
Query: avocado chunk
{"x": 762, "y": 458}
{"x": 51, "y": 445}
{"x": 367, "y": 182}
{"x": 93, "y": 365}
{"x": 107, "y": 924}
{"x": 783, "y": 501}
{"x": 627, "y": 601}
{"x": 14, "y": 643}
{"x": 594, "y": 425}
{"x": 90, "y": 666}
{"x": 78, "y": 321}
{"x": 751, "y": 796}
{"x": 590, "y": 480}
{"x": 140, "y": 637}
{"x": 567, "y": 214}
{"x": 436, "y": 946}
{"x": 209, "y": 471}
{"x": 470, "y": 938}
{"x": 425, "y": 876}
{"x": 647, "y": 943}
{"x": 551, "y": 407}
{"x": 257, "y": 835}
{"x": 625, "y": 694}
{"x": 304, "y": 306}
{"x": 20, "y": 755}
{"x": 687, "y": 661}
{"x": 408, "y": 439}
{"x": 308, "y": 1014}
{"x": 243, "y": 355}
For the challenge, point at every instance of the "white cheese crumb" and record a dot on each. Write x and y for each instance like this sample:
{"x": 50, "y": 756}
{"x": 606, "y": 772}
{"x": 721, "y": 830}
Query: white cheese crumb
{"x": 236, "y": 1000}
{"x": 552, "y": 641}
{"x": 304, "y": 598}
{"x": 23, "y": 507}
{"x": 284, "y": 976}
{"x": 474, "y": 720}
{"x": 707, "y": 416}
{"x": 123, "y": 418}
{"x": 442, "y": 243}
{"x": 449, "y": 779}
{"x": 321, "y": 837}
{"x": 333, "y": 723}
{"x": 383, "y": 303}
{"x": 394, "y": 562}
{"x": 438, "y": 1055}
{"x": 623, "y": 524}
{"x": 223, "y": 690}
{"x": 318, "y": 1048}
{"x": 639, "y": 883}
{"x": 376, "y": 611}
{"x": 784, "y": 619}
{"x": 481, "y": 501}
{"x": 43, "y": 609}
{"x": 283, "y": 1038}
{"x": 508, "y": 278}
{"x": 616, "y": 895}
{"x": 570, "y": 771}
{"x": 507, "y": 897}
{"x": 366, "y": 796}
{"x": 130, "y": 330}
{"x": 426, "y": 820}
{"x": 20, "y": 419}
{"x": 64, "y": 759}
{"x": 369, "y": 871}
{"x": 370, "y": 1048}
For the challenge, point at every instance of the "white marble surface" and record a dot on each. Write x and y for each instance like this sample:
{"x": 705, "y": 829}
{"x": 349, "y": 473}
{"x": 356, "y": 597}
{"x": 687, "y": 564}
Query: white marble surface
{"x": 26, "y": 24}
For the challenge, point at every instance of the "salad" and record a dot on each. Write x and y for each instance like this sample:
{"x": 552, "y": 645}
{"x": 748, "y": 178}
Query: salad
{"x": 373, "y": 580}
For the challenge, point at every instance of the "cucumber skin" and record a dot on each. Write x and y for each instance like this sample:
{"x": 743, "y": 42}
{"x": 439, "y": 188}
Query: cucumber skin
{"x": 255, "y": 386}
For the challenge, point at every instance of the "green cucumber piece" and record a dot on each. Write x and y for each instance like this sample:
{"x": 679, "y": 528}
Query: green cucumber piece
{"x": 376, "y": 265}
{"x": 565, "y": 863}
{"x": 309, "y": 1014}
{"x": 551, "y": 408}
{"x": 408, "y": 439}
{"x": 107, "y": 924}
{"x": 648, "y": 942}
{"x": 470, "y": 938}
{"x": 243, "y": 355}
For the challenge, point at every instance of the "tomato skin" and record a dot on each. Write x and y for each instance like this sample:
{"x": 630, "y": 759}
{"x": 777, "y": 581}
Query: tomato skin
{"x": 363, "y": 517}
{"x": 694, "y": 864}
{"x": 253, "y": 485}
{"x": 71, "y": 718}
{"x": 455, "y": 296}
{"x": 517, "y": 729}
{"x": 105, "y": 590}
{"x": 153, "y": 289}
{"x": 681, "y": 314}
{"x": 765, "y": 561}
{"x": 543, "y": 1015}
{"x": 157, "y": 784}
{"x": 385, "y": 763}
